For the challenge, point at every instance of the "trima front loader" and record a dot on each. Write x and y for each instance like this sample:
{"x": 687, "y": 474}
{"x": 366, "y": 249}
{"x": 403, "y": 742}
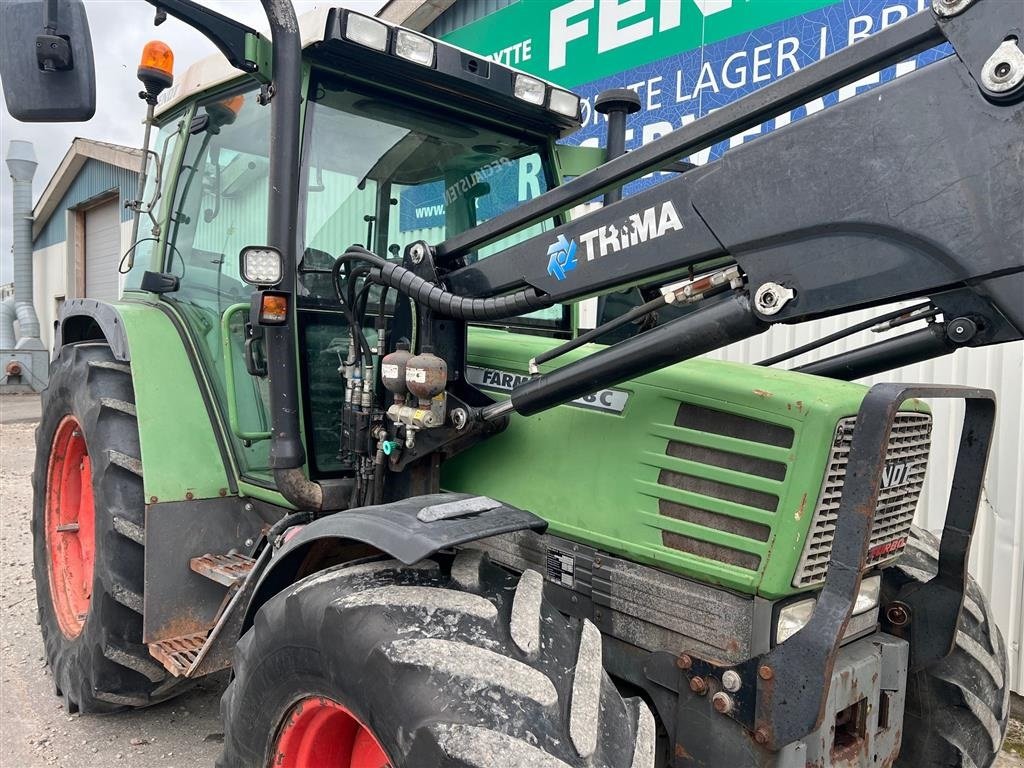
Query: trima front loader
{"x": 343, "y": 434}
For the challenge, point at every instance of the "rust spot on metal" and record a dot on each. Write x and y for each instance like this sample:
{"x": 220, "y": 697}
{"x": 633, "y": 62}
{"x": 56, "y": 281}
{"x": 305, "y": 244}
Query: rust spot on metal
{"x": 698, "y": 686}
{"x": 801, "y": 509}
{"x": 189, "y": 496}
{"x": 761, "y": 736}
{"x": 684, "y": 662}
{"x": 765, "y": 672}
{"x": 152, "y": 499}
{"x": 762, "y": 393}
{"x": 680, "y": 751}
{"x": 222, "y": 492}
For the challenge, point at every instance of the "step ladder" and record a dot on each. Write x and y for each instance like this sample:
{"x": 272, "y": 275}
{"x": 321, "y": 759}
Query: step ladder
{"x": 178, "y": 655}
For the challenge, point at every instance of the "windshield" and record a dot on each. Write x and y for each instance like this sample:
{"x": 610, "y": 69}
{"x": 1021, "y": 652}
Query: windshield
{"x": 383, "y": 174}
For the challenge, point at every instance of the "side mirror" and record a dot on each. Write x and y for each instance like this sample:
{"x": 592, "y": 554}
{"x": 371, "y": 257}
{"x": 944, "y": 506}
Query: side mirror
{"x": 46, "y": 60}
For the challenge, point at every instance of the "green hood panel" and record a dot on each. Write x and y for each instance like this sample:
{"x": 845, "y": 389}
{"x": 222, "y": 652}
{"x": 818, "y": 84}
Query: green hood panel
{"x": 712, "y": 469}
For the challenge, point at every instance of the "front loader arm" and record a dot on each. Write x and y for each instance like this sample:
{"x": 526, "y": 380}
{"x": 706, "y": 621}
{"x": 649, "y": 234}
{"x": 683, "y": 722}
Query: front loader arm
{"x": 913, "y": 189}
{"x": 909, "y": 188}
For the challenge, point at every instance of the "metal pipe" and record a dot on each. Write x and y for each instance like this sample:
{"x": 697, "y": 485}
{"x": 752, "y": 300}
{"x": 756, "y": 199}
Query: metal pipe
{"x": 7, "y": 316}
{"x": 21, "y": 162}
{"x": 882, "y": 356}
{"x": 723, "y": 322}
{"x": 140, "y": 190}
{"x": 617, "y": 104}
{"x": 287, "y": 454}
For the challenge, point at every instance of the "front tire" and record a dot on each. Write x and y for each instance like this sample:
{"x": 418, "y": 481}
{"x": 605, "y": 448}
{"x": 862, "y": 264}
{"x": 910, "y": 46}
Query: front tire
{"x": 957, "y": 709}
{"x": 87, "y": 530}
{"x": 456, "y": 664}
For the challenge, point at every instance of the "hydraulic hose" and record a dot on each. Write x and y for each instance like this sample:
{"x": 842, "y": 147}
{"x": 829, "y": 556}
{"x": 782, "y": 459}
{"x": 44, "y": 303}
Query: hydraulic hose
{"x": 438, "y": 299}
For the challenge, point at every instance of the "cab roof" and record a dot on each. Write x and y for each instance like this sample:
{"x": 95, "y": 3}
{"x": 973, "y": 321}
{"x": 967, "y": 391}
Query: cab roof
{"x": 458, "y": 78}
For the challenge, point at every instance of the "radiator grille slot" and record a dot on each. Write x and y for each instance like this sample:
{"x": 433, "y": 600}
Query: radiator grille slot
{"x": 733, "y": 425}
{"x": 906, "y": 461}
{"x": 703, "y": 509}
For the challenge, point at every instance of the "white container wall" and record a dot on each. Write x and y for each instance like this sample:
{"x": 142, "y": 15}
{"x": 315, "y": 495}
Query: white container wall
{"x": 997, "y": 557}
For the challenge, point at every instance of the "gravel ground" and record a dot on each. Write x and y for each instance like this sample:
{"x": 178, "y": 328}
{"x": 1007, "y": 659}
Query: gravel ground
{"x": 35, "y": 731}
{"x": 34, "y": 728}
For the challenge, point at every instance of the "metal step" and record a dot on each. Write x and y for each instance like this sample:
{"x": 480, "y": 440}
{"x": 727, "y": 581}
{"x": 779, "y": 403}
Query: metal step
{"x": 179, "y": 653}
{"x": 229, "y": 570}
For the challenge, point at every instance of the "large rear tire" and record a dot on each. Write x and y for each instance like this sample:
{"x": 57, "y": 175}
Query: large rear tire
{"x": 87, "y": 529}
{"x": 452, "y": 663}
{"x": 956, "y": 709}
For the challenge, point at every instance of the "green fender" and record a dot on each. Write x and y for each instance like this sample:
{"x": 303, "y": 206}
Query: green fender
{"x": 183, "y": 451}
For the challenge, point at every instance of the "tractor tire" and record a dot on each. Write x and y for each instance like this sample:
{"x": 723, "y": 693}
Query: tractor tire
{"x": 453, "y": 663}
{"x": 957, "y": 708}
{"x": 87, "y": 529}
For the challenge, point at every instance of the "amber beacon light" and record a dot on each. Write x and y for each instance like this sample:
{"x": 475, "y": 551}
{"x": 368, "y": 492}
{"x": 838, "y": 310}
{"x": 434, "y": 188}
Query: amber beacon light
{"x": 156, "y": 69}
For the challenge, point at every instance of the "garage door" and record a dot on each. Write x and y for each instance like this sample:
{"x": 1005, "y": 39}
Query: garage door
{"x": 102, "y": 243}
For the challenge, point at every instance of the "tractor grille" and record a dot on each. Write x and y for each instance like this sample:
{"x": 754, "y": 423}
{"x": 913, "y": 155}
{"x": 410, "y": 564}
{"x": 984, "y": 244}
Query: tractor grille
{"x": 712, "y": 502}
{"x": 902, "y": 482}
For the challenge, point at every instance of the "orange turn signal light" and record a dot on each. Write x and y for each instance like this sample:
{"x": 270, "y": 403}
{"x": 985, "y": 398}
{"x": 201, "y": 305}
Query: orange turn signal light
{"x": 273, "y": 308}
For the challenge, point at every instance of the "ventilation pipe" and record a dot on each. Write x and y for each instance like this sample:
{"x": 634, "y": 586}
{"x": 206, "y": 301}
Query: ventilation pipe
{"x": 7, "y": 315}
{"x": 21, "y": 162}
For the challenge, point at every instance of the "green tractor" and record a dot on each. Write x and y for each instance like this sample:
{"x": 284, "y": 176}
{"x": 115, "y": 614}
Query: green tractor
{"x": 344, "y": 434}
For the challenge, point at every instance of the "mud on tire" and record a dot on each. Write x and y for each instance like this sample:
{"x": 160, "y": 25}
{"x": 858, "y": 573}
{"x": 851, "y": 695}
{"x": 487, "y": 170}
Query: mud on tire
{"x": 448, "y": 663}
{"x": 956, "y": 709}
{"x": 104, "y": 667}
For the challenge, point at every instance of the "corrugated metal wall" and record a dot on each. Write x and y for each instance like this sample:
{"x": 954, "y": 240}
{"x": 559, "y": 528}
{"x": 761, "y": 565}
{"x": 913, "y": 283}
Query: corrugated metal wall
{"x": 998, "y": 553}
{"x": 94, "y": 178}
{"x": 462, "y": 13}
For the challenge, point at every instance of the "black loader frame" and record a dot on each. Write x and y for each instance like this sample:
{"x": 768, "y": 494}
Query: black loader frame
{"x": 783, "y": 697}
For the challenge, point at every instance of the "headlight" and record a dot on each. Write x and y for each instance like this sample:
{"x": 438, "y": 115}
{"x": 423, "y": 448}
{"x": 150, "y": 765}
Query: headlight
{"x": 414, "y": 48}
{"x": 366, "y": 31}
{"x": 793, "y": 618}
{"x": 867, "y": 597}
{"x": 529, "y": 89}
{"x": 261, "y": 265}
{"x": 564, "y": 103}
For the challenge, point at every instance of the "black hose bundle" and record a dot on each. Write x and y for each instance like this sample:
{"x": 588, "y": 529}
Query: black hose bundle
{"x": 424, "y": 292}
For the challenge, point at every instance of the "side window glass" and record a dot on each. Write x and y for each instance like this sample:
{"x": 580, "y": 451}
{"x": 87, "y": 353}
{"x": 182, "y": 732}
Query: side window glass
{"x": 220, "y": 206}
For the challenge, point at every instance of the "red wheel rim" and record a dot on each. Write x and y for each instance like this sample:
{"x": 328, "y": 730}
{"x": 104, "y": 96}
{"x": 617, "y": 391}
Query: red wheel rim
{"x": 320, "y": 733}
{"x": 70, "y": 526}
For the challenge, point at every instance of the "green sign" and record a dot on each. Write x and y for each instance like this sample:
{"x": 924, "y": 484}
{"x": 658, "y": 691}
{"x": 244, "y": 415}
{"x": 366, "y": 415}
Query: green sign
{"x": 580, "y": 41}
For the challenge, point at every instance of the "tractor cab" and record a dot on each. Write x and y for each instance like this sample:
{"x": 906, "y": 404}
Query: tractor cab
{"x": 403, "y": 139}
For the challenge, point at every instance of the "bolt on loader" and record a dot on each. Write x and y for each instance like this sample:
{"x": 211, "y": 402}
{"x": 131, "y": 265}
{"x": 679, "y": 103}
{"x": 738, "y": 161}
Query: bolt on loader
{"x": 344, "y": 435}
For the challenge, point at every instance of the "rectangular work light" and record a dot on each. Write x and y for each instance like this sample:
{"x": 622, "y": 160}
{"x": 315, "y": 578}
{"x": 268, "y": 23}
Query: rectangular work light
{"x": 366, "y": 31}
{"x": 564, "y": 102}
{"x": 415, "y": 48}
{"x": 260, "y": 265}
{"x": 529, "y": 89}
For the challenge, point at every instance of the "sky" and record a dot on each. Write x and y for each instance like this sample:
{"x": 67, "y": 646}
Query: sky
{"x": 119, "y": 30}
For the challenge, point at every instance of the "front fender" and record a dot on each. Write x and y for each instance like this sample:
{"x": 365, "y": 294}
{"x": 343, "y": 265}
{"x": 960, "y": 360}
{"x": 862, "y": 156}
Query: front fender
{"x": 184, "y": 455}
{"x": 402, "y": 529}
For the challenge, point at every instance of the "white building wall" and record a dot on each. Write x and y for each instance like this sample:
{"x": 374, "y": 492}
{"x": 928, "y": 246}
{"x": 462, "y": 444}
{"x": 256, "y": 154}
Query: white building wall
{"x": 49, "y": 266}
{"x": 997, "y": 555}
